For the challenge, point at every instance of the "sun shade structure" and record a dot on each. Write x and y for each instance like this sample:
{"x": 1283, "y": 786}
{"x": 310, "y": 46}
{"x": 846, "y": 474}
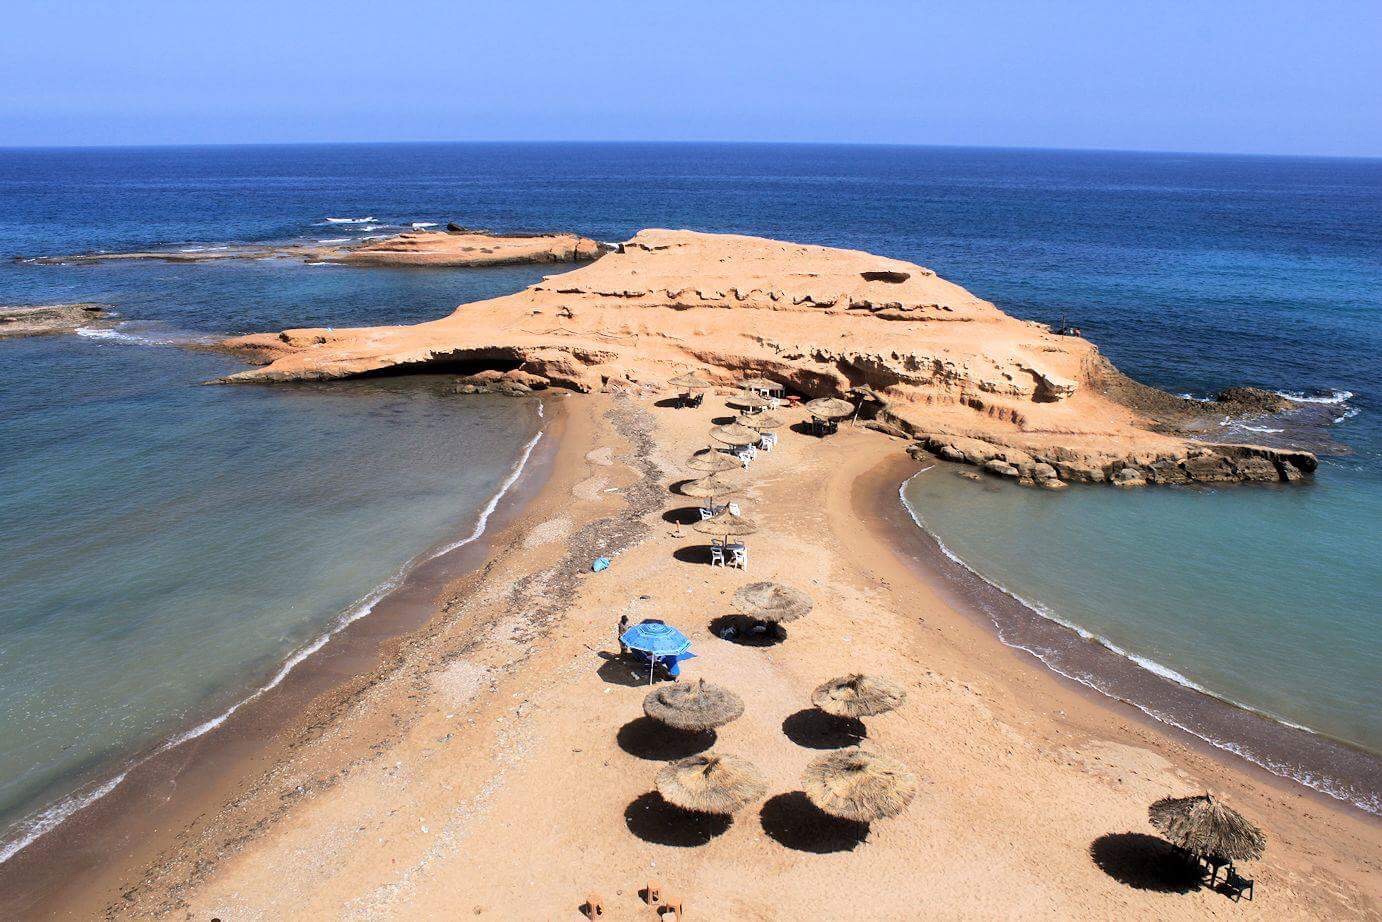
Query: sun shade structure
{"x": 710, "y": 461}
{"x": 1203, "y": 826}
{"x": 761, "y": 384}
{"x": 830, "y": 408}
{"x": 712, "y": 486}
{"x": 750, "y": 400}
{"x": 735, "y": 434}
{"x": 691, "y": 382}
{"x": 858, "y": 696}
{"x": 655, "y": 637}
{"x": 855, "y": 784}
{"x": 772, "y": 602}
{"x": 695, "y": 707}
{"x": 727, "y": 524}
{"x": 711, "y": 783}
{"x": 760, "y": 421}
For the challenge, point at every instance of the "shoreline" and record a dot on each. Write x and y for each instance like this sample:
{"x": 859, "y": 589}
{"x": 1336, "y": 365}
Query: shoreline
{"x": 462, "y": 783}
{"x": 392, "y": 610}
{"x": 1342, "y": 775}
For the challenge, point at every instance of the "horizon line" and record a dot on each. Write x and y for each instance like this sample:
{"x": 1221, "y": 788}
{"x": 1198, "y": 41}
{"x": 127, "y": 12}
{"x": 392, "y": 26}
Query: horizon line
{"x": 172, "y": 145}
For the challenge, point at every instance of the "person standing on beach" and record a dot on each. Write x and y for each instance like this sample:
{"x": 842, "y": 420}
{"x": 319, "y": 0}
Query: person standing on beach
{"x": 619, "y": 634}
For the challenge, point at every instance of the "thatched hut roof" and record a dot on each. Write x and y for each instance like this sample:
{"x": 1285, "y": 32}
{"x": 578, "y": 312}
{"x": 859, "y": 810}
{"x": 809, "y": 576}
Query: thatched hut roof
{"x": 761, "y": 421}
{"x": 711, "y": 783}
{"x": 709, "y": 461}
{"x": 691, "y": 382}
{"x": 762, "y": 384}
{"x": 1204, "y": 826}
{"x": 858, "y": 696}
{"x": 855, "y": 784}
{"x": 772, "y": 602}
{"x": 735, "y": 434}
{"x": 721, "y": 484}
{"x": 749, "y": 399}
{"x": 830, "y": 408}
{"x": 726, "y": 523}
{"x": 694, "y": 706}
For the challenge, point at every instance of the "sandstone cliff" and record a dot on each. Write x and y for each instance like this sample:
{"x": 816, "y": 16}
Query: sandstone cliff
{"x": 936, "y": 363}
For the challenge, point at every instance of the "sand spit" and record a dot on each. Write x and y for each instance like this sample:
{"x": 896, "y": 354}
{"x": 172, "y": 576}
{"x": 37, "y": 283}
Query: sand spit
{"x": 449, "y": 249}
{"x": 45, "y": 319}
{"x": 928, "y": 360}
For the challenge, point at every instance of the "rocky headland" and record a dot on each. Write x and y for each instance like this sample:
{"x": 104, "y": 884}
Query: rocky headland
{"x": 926, "y": 360}
{"x": 457, "y": 247}
{"x": 44, "y": 319}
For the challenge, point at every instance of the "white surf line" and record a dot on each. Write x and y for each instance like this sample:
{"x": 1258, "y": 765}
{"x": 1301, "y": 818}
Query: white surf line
{"x": 47, "y": 820}
{"x": 1157, "y": 669}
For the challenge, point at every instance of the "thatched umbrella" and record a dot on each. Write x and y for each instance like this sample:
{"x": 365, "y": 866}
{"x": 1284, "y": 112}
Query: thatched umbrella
{"x": 713, "y": 486}
{"x": 727, "y": 524}
{"x": 711, "y": 783}
{"x": 830, "y": 408}
{"x": 761, "y": 421}
{"x": 735, "y": 434}
{"x": 691, "y": 382}
{"x": 855, "y": 784}
{"x": 749, "y": 400}
{"x": 761, "y": 384}
{"x": 858, "y": 696}
{"x": 694, "y": 706}
{"x": 772, "y": 602}
{"x": 1203, "y": 826}
{"x": 710, "y": 461}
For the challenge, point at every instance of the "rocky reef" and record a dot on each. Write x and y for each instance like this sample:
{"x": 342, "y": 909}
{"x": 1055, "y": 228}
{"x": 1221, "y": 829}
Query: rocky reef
{"x": 926, "y": 359}
{"x": 45, "y": 319}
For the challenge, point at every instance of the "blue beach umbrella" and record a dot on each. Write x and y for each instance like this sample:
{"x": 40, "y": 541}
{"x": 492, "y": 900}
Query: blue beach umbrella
{"x": 658, "y": 640}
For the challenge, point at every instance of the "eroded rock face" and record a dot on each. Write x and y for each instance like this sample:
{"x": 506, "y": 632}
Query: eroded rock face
{"x": 938, "y": 364}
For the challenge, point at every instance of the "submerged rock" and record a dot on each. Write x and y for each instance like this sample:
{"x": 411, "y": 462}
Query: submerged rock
{"x": 44, "y": 319}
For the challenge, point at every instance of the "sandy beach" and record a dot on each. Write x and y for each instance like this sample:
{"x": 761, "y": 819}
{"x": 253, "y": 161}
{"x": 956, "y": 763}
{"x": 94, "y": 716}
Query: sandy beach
{"x": 486, "y": 755}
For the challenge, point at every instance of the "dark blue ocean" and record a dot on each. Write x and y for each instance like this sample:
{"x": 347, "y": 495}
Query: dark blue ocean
{"x": 144, "y": 593}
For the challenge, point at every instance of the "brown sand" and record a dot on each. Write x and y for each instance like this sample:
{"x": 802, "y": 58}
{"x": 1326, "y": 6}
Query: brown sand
{"x": 497, "y": 764}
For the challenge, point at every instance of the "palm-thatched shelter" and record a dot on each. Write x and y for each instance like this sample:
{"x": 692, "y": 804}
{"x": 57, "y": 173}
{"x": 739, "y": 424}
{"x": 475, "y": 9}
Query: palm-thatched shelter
{"x": 760, "y": 421}
{"x": 858, "y": 696}
{"x": 764, "y": 385}
{"x": 855, "y": 784}
{"x": 710, "y": 461}
{"x": 735, "y": 434}
{"x": 693, "y": 706}
{"x": 830, "y": 408}
{"x": 711, "y": 783}
{"x": 712, "y": 486}
{"x": 691, "y": 382}
{"x": 749, "y": 401}
{"x": 726, "y": 524}
{"x": 773, "y": 602}
{"x": 1204, "y": 826}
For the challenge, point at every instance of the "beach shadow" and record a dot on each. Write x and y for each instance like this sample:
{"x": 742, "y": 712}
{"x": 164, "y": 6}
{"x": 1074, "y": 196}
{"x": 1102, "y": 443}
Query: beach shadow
{"x": 686, "y": 515}
{"x": 803, "y": 428}
{"x": 724, "y": 420}
{"x": 645, "y": 738}
{"x": 744, "y": 633}
{"x": 677, "y": 487}
{"x": 815, "y": 729}
{"x": 1145, "y": 862}
{"x": 792, "y": 820}
{"x": 654, "y": 820}
{"x": 693, "y": 553}
{"x": 618, "y": 670}
{"x": 668, "y": 403}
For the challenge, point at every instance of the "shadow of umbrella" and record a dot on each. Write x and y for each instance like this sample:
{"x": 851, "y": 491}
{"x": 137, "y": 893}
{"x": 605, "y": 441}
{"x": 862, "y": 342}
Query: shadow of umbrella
{"x": 816, "y": 729}
{"x": 645, "y": 738}
{"x": 686, "y": 515}
{"x": 616, "y": 670}
{"x": 692, "y": 553}
{"x": 793, "y": 821}
{"x": 654, "y": 820}
{"x": 1145, "y": 862}
{"x": 744, "y": 633}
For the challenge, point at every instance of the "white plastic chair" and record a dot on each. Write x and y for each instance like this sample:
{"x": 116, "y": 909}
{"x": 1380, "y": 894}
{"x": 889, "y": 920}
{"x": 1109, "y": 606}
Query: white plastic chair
{"x": 706, "y": 512}
{"x": 740, "y": 556}
{"x": 734, "y": 508}
{"x": 717, "y": 554}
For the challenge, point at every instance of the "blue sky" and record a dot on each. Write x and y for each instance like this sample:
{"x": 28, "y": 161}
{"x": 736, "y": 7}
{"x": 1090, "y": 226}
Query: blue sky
{"x": 1213, "y": 75}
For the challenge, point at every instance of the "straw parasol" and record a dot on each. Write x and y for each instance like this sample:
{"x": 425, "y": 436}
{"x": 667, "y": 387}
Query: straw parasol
{"x": 772, "y": 602}
{"x": 855, "y": 784}
{"x": 691, "y": 382}
{"x": 761, "y": 384}
{"x": 749, "y": 400}
{"x": 858, "y": 696}
{"x": 728, "y": 524}
{"x": 1203, "y": 826}
{"x": 714, "y": 485}
{"x": 711, "y": 783}
{"x": 696, "y": 706}
{"x": 830, "y": 408}
{"x": 735, "y": 434}
{"x": 710, "y": 461}
{"x": 761, "y": 421}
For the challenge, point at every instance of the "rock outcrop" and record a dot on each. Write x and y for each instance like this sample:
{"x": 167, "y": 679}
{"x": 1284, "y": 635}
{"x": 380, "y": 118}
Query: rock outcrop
{"x": 934, "y": 362}
{"x": 44, "y": 319}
